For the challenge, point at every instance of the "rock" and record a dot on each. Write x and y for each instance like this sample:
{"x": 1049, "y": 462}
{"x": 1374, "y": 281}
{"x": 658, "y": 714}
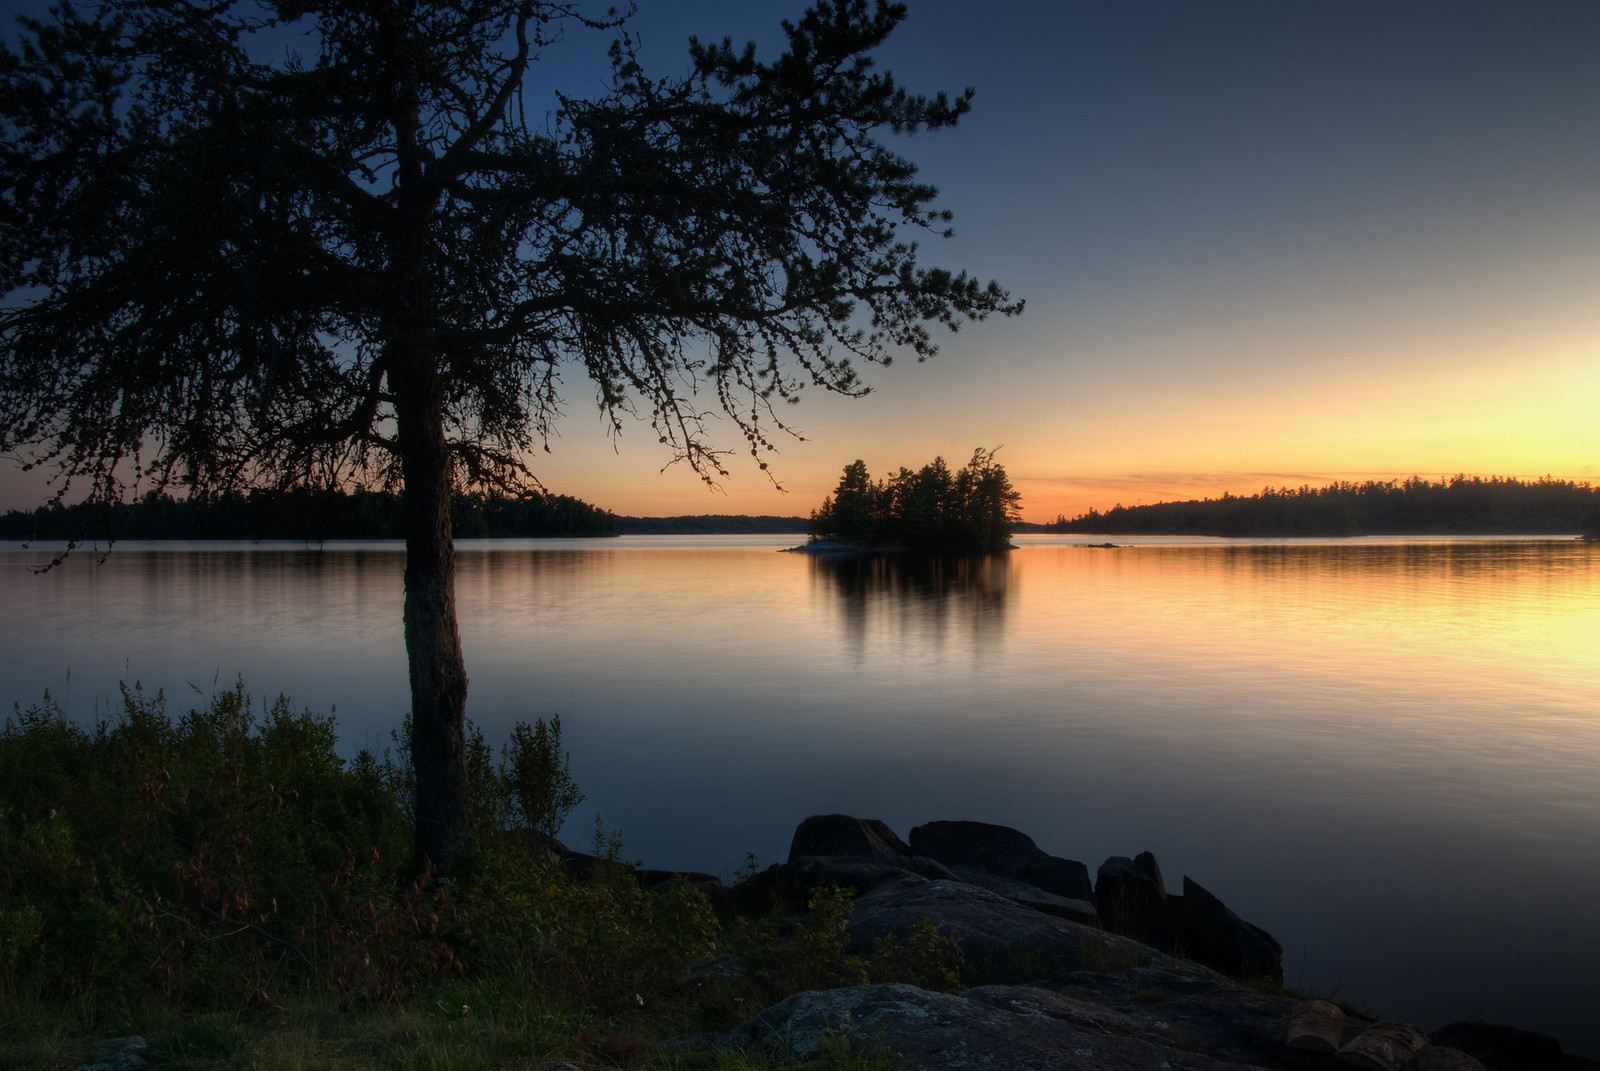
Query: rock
{"x": 1146, "y": 861}
{"x": 1502, "y": 1048}
{"x": 1002, "y": 941}
{"x": 1025, "y": 1000}
{"x": 1002, "y": 851}
{"x": 117, "y": 1054}
{"x": 857, "y": 853}
{"x": 1219, "y": 938}
{"x": 1019, "y": 892}
{"x": 1316, "y": 1026}
{"x": 1193, "y": 1008}
{"x": 1021, "y": 1029}
{"x": 662, "y": 880}
{"x": 1132, "y": 986}
{"x": 809, "y": 872}
{"x": 854, "y": 838}
{"x": 1440, "y": 1058}
{"x": 1384, "y": 1046}
{"x": 1132, "y": 901}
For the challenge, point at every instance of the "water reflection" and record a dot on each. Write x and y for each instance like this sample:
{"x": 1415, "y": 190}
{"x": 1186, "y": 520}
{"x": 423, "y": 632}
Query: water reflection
{"x": 926, "y": 597}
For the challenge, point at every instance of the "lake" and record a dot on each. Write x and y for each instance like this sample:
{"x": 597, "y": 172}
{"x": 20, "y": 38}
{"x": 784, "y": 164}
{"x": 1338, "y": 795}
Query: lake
{"x": 1384, "y": 751}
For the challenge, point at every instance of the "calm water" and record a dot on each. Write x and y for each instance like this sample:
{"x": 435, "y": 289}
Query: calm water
{"x": 1385, "y": 752}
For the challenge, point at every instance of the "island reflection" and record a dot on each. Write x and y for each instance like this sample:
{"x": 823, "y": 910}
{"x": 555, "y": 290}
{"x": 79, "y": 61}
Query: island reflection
{"x": 925, "y": 597}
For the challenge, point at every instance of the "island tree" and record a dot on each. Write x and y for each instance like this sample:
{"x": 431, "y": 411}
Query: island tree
{"x": 294, "y": 243}
{"x": 932, "y": 509}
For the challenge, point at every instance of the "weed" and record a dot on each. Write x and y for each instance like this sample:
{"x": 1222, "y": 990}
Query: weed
{"x": 929, "y": 959}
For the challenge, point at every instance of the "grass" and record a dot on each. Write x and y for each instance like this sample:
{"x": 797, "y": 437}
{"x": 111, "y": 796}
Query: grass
{"x": 309, "y": 1032}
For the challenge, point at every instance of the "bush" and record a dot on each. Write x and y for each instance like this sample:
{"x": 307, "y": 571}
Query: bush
{"x": 227, "y": 855}
{"x": 537, "y": 771}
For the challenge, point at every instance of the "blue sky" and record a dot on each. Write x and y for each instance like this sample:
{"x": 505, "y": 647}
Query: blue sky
{"x": 1259, "y": 242}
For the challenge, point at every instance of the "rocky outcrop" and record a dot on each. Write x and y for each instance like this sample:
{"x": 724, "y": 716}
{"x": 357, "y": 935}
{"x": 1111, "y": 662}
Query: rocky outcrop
{"x": 850, "y": 837}
{"x": 1133, "y": 900}
{"x": 970, "y": 870}
{"x": 1019, "y": 892}
{"x": 855, "y": 853}
{"x": 1005, "y": 852}
{"x": 1219, "y": 938}
{"x": 1002, "y": 940}
{"x": 1063, "y": 992}
{"x": 1011, "y": 1027}
{"x": 1135, "y": 1019}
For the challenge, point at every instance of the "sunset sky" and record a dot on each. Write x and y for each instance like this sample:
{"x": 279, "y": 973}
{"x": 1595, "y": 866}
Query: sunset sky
{"x": 1260, "y": 243}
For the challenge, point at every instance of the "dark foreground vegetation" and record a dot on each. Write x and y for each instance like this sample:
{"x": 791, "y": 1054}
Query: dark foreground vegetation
{"x": 972, "y": 509}
{"x": 223, "y": 890}
{"x": 302, "y": 514}
{"x": 224, "y": 884}
{"x": 1458, "y": 505}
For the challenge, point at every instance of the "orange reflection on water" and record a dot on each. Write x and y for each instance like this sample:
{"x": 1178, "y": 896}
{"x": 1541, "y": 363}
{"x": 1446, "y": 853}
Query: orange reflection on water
{"x": 1521, "y": 609}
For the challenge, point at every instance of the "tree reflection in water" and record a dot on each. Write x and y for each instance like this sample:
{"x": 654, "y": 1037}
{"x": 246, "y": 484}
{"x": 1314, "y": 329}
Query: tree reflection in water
{"x": 901, "y": 596}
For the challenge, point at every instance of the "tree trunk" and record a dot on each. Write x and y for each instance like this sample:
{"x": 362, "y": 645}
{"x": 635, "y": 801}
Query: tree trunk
{"x": 433, "y": 643}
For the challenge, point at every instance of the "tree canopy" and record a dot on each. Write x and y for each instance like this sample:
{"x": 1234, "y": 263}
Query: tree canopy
{"x": 371, "y": 259}
{"x": 1460, "y": 504}
{"x": 935, "y": 509}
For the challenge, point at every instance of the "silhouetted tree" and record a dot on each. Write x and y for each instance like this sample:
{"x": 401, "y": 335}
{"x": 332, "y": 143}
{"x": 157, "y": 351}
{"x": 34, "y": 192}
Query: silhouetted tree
{"x": 1460, "y": 504}
{"x": 930, "y": 509}
{"x": 224, "y": 265}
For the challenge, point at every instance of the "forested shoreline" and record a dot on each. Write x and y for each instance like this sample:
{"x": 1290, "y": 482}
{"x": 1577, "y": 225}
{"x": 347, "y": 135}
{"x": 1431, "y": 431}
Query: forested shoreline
{"x": 711, "y": 524}
{"x": 303, "y": 514}
{"x": 1494, "y": 505}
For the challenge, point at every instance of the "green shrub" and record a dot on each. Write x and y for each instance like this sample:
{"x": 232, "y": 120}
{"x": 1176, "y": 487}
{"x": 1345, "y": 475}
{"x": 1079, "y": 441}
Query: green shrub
{"x": 929, "y": 959}
{"x": 536, "y": 771}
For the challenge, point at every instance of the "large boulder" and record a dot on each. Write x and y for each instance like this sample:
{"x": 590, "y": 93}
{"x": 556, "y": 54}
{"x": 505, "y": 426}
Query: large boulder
{"x": 1020, "y": 892}
{"x": 1199, "y": 1011}
{"x": 1005, "y": 852}
{"x": 808, "y": 872}
{"x": 850, "y": 837}
{"x": 855, "y": 853}
{"x": 1219, "y": 938}
{"x": 1132, "y": 900}
{"x": 1002, "y": 940}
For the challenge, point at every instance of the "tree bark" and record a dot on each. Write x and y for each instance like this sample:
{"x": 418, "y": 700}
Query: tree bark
{"x": 433, "y": 642}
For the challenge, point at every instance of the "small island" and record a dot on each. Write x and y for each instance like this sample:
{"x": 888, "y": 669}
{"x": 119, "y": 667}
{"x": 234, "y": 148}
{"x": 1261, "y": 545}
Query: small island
{"x": 972, "y": 510}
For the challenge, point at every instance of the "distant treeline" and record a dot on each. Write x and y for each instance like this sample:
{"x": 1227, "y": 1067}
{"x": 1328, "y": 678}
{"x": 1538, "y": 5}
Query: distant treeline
{"x": 711, "y": 524}
{"x": 932, "y": 509}
{"x": 1459, "y": 505}
{"x": 302, "y": 514}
